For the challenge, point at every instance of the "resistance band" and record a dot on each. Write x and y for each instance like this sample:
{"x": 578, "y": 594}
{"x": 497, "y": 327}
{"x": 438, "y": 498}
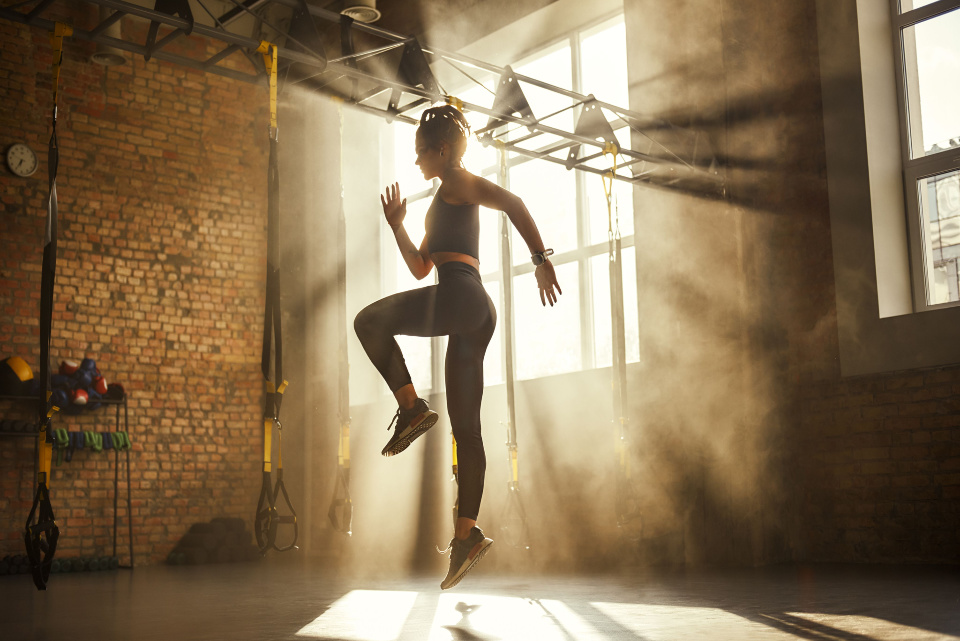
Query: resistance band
{"x": 629, "y": 519}
{"x": 268, "y": 517}
{"x": 513, "y": 527}
{"x": 341, "y": 506}
{"x": 41, "y": 532}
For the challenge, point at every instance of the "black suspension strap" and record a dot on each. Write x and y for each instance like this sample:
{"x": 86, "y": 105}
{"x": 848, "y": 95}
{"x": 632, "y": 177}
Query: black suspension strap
{"x": 513, "y": 522}
{"x": 268, "y": 517}
{"x": 341, "y": 506}
{"x": 629, "y": 517}
{"x": 41, "y": 532}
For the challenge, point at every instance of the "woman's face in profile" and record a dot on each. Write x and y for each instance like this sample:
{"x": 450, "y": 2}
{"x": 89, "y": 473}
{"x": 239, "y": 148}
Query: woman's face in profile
{"x": 429, "y": 159}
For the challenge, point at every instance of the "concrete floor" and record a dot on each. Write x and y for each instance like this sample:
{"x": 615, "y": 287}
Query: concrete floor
{"x": 287, "y": 600}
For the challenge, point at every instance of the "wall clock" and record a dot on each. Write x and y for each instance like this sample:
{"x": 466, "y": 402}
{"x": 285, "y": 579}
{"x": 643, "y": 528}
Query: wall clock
{"x": 21, "y": 160}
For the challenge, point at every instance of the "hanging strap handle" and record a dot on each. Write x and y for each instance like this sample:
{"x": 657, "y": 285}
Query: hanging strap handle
{"x": 629, "y": 517}
{"x": 41, "y": 537}
{"x": 268, "y": 517}
{"x": 340, "y": 512}
{"x": 514, "y": 529}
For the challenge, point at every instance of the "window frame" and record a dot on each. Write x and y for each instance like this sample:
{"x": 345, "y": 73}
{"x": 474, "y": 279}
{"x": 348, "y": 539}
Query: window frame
{"x": 916, "y": 169}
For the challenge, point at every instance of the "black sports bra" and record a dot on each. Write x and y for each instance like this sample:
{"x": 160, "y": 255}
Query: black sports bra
{"x": 453, "y": 228}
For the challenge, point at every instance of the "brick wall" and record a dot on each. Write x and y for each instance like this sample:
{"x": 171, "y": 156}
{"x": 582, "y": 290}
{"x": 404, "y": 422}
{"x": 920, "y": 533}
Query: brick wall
{"x": 162, "y": 193}
{"x": 881, "y": 462}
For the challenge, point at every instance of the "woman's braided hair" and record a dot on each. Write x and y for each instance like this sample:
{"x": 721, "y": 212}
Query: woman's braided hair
{"x": 445, "y": 124}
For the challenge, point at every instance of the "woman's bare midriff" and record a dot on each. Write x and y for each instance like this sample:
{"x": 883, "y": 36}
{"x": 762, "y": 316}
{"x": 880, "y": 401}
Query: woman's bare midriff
{"x": 440, "y": 258}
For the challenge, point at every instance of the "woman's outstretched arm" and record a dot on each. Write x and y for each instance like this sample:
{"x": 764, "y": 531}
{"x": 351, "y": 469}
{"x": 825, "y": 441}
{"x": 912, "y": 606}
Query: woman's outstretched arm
{"x": 395, "y": 210}
{"x": 466, "y": 187}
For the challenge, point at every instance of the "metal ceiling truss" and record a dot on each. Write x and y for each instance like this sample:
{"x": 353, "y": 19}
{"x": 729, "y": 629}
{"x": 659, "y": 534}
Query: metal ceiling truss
{"x": 669, "y": 156}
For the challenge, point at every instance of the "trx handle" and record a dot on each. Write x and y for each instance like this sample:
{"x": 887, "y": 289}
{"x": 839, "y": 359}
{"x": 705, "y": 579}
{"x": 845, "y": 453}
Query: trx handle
{"x": 41, "y": 537}
{"x": 268, "y": 518}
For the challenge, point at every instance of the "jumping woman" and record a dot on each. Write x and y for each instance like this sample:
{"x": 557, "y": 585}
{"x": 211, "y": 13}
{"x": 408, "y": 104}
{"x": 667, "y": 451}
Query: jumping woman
{"x": 458, "y": 307}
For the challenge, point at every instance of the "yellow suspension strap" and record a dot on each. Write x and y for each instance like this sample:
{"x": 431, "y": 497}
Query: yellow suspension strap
{"x": 456, "y": 491}
{"x": 629, "y": 518}
{"x": 453, "y": 100}
{"x": 341, "y": 505}
{"x": 456, "y": 480}
{"x": 41, "y": 532}
{"x": 513, "y": 528}
{"x": 268, "y": 517}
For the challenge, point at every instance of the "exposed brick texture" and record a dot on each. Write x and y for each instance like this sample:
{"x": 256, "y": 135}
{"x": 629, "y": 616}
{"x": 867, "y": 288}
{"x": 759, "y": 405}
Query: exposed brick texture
{"x": 162, "y": 195}
{"x": 881, "y": 460}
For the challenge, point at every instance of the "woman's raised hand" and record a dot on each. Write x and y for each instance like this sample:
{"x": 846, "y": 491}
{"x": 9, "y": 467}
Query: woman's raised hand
{"x": 546, "y": 281}
{"x": 394, "y": 209}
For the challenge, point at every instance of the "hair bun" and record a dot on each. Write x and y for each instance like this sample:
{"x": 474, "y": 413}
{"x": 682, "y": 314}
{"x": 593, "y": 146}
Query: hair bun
{"x": 445, "y": 111}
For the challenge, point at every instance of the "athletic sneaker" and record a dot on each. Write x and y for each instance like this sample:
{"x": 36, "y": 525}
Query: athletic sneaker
{"x": 464, "y": 555}
{"x": 411, "y": 423}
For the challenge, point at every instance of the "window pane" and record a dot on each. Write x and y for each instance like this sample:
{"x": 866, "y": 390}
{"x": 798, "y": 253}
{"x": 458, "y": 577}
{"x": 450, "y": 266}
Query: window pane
{"x": 910, "y": 5}
{"x": 416, "y": 352}
{"x": 931, "y": 57}
{"x": 549, "y": 192}
{"x": 602, "y": 326}
{"x": 493, "y": 361}
{"x": 547, "y": 338}
{"x": 553, "y": 67}
{"x": 622, "y": 208}
{"x": 940, "y": 218}
{"x": 603, "y": 63}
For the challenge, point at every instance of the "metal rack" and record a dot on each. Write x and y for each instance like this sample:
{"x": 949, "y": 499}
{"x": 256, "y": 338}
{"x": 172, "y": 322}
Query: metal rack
{"x": 666, "y": 156}
{"x": 118, "y": 404}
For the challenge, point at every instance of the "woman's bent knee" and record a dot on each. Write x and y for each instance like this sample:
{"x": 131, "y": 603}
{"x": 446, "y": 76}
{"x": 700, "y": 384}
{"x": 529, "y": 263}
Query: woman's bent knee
{"x": 365, "y": 323}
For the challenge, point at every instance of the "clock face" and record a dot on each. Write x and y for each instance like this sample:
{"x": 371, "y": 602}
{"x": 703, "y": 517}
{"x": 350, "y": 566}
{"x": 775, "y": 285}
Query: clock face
{"x": 21, "y": 160}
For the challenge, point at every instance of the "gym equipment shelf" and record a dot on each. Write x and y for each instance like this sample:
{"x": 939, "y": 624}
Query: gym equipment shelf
{"x": 118, "y": 404}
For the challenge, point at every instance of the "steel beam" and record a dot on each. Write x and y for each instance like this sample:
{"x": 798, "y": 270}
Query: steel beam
{"x": 664, "y": 162}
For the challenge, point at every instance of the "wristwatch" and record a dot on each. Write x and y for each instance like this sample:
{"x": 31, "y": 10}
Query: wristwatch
{"x": 540, "y": 258}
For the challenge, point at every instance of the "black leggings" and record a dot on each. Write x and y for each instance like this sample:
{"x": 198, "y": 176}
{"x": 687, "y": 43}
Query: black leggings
{"x": 460, "y": 308}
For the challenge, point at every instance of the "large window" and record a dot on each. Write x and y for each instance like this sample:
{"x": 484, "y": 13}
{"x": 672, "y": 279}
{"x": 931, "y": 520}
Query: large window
{"x": 928, "y": 66}
{"x": 569, "y": 208}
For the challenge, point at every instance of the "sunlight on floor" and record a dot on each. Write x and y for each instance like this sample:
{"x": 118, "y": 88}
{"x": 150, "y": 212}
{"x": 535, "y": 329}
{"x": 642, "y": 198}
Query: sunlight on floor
{"x": 668, "y": 622}
{"x": 495, "y": 617}
{"x": 363, "y": 615}
{"x": 876, "y": 629}
{"x": 381, "y": 615}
